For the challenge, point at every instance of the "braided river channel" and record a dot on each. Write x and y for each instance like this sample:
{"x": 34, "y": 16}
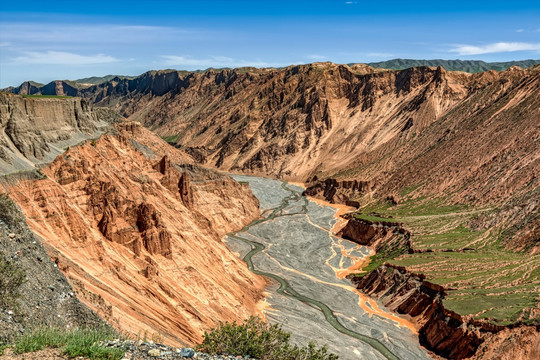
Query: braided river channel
{"x": 292, "y": 245}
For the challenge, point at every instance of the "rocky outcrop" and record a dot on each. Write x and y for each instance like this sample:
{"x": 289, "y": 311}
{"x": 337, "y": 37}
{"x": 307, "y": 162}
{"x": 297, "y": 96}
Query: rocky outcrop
{"x": 337, "y": 191}
{"x": 155, "y": 238}
{"x": 374, "y": 234}
{"x": 184, "y": 188}
{"x": 445, "y": 332}
{"x": 139, "y": 236}
{"x": 34, "y": 131}
{"x": 176, "y": 181}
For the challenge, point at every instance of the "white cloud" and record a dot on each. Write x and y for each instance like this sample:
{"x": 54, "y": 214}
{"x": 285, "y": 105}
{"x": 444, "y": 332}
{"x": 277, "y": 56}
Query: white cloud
{"x": 30, "y": 35}
{"x": 212, "y": 61}
{"x": 520, "y": 30}
{"x": 495, "y": 48}
{"x": 316, "y": 57}
{"x": 62, "y": 58}
{"x": 380, "y": 54}
{"x": 351, "y": 2}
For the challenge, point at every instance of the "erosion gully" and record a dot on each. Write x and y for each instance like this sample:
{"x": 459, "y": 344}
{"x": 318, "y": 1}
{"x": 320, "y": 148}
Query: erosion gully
{"x": 293, "y": 244}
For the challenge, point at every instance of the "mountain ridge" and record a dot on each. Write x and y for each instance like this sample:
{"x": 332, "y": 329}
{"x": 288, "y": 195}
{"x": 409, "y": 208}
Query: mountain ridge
{"x": 470, "y": 66}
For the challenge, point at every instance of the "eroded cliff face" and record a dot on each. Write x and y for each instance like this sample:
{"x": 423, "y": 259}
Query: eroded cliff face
{"x": 483, "y": 151}
{"x": 139, "y": 237}
{"x": 36, "y": 130}
{"x": 445, "y": 332}
{"x": 375, "y": 234}
{"x": 288, "y": 122}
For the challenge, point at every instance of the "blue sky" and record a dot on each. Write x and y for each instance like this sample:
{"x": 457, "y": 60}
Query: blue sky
{"x": 47, "y": 40}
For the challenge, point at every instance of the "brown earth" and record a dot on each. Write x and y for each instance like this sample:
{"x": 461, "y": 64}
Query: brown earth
{"x": 139, "y": 237}
{"x": 443, "y": 331}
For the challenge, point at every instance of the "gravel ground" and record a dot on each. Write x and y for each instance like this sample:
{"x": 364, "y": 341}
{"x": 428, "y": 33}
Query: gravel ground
{"x": 135, "y": 350}
{"x": 139, "y": 350}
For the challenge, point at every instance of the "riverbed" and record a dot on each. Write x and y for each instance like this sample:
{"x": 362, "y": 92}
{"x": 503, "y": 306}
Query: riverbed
{"x": 292, "y": 245}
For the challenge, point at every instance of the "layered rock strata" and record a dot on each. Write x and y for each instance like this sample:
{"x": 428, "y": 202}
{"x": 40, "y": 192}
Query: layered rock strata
{"x": 33, "y": 131}
{"x": 445, "y": 332}
{"x": 139, "y": 237}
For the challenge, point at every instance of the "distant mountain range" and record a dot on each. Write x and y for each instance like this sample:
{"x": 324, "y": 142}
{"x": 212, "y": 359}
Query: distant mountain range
{"x": 470, "y": 66}
{"x": 95, "y": 80}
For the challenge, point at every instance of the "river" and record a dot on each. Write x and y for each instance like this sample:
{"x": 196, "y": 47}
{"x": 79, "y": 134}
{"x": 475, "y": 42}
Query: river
{"x": 292, "y": 244}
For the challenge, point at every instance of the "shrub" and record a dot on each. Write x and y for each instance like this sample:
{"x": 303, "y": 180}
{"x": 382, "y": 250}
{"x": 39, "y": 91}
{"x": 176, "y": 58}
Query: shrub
{"x": 77, "y": 342}
{"x": 256, "y": 339}
{"x": 9, "y": 213}
{"x": 11, "y": 279}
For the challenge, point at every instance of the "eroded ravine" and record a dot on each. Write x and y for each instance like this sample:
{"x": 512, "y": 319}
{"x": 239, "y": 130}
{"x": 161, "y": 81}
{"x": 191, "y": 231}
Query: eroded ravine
{"x": 310, "y": 288}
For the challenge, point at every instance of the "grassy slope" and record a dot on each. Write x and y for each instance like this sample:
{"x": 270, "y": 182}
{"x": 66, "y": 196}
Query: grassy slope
{"x": 487, "y": 281}
{"x": 471, "y": 66}
{"x": 75, "y": 343}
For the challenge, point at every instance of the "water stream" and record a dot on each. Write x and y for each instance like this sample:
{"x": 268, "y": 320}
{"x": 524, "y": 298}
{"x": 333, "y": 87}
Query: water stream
{"x": 292, "y": 244}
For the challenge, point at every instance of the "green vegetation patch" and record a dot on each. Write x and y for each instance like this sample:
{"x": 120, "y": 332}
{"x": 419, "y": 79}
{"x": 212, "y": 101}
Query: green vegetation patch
{"x": 483, "y": 278}
{"x": 11, "y": 279}
{"x": 9, "y": 213}
{"x": 171, "y": 139}
{"x": 371, "y": 218}
{"x": 387, "y": 252}
{"x": 78, "y": 342}
{"x": 259, "y": 340}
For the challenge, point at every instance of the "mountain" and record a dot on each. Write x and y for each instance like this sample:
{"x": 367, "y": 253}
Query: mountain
{"x": 360, "y": 123}
{"x": 135, "y": 227}
{"x": 96, "y": 80}
{"x": 470, "y": 66}
{"x": 450, "y": 156}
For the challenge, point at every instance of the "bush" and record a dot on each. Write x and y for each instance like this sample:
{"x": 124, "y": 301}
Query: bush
{"x": 256, "y": 339}
{"x": 11, "y": 279}
{"x": 9, "y": 213}
{"x": 78, "y": 342}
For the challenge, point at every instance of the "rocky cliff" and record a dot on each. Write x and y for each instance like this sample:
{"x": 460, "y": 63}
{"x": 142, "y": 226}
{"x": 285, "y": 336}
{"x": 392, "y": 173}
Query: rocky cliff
{"x": 284, "y": 122}
{"x": 445, "y": 332}
{"x": 139, "y": 236}
{"x": 33, "y": 131}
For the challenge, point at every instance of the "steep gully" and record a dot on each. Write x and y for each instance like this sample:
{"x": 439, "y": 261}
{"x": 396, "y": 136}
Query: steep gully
{"x": 370, "y": 336}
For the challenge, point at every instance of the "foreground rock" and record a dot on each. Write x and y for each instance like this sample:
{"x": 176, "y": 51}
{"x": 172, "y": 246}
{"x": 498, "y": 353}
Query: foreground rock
{"x": 134, "y": 350}
{"x": 148, "y": 350}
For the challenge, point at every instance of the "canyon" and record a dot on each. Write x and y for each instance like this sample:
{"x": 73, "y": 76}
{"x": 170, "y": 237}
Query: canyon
{"x": 137, "y": 232}
{"x": 441, "y": 166}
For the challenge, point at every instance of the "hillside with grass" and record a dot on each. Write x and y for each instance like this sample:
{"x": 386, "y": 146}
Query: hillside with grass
{"x": 470, "y": 66}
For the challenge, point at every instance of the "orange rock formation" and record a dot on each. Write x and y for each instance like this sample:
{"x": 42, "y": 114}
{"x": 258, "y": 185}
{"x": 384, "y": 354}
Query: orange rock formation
{"x": 139, "y": 237}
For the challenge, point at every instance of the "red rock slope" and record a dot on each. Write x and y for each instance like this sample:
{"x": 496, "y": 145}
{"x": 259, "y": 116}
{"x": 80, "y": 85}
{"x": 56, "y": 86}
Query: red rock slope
{"x": 140, "y": 238}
